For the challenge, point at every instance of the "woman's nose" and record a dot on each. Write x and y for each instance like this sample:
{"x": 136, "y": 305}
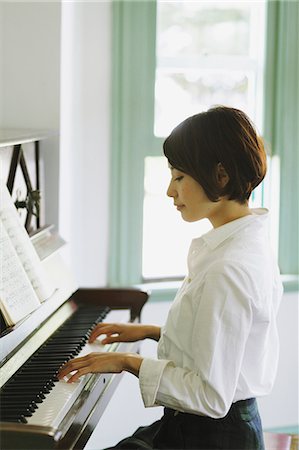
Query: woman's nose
{"x": 170, "y": 191}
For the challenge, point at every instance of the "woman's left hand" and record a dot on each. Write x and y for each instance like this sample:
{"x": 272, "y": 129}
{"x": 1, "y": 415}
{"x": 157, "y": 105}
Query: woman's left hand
{"x": 102, "y": 363}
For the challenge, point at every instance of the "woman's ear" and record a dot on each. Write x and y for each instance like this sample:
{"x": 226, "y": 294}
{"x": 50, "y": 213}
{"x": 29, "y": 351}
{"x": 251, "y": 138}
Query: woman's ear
{"x": 221, "y": 175}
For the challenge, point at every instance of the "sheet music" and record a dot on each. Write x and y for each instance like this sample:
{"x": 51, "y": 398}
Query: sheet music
{"x": 23, "y": 246}
{"x": 17, "y": 296}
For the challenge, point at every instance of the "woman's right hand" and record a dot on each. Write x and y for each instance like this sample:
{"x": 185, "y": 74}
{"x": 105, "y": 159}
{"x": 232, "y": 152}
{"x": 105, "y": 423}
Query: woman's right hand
{"x": 124, "y": 332}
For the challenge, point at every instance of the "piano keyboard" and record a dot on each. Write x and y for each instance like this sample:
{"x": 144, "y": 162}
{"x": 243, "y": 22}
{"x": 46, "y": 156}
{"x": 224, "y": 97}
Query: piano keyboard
{"x": 34, "y": 395}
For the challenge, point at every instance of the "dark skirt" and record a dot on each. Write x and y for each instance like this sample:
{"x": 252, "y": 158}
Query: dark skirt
{"x": 240, "y": 429}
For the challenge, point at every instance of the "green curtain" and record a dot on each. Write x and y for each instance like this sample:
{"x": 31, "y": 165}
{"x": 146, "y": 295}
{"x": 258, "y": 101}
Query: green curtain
{"x": 281, "y": 120}
{"x": 133, "y": 76}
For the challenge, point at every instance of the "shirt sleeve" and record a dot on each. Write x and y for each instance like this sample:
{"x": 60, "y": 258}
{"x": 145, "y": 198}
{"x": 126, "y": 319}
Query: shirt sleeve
{"x": 222, "y": 323}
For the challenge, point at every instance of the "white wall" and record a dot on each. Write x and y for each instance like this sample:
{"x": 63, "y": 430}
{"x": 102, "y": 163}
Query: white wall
{"x": 1, "y": 60}
{"x": 30, "y": 63}
{"x": 55, "y": 73}
{"x": 85, "y": 126}
{"x": 281, "y": 407}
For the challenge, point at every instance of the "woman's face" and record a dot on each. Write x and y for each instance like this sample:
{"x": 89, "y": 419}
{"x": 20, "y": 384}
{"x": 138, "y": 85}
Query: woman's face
{"x": 189, "y": 197}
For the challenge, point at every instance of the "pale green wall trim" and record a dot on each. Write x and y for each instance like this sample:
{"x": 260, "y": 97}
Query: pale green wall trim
{"x": 290, "y": 283}
{"x": 291, "y": 429}
{"x": 133, "y": 74}
{"x": 281, "y": 122}
{"x": 166, "y": 295}
{"x": 161, "y": 291}
{"x": 166, "y": 290}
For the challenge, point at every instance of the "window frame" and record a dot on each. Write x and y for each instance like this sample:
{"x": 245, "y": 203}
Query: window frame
{"x": 133, "y": 81}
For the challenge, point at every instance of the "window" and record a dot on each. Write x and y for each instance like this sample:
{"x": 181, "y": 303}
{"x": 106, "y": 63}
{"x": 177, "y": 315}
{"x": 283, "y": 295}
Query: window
{"x": 207, "y": 53}
{"x": 137, "y": 134}
{"x": 163, "y": 227}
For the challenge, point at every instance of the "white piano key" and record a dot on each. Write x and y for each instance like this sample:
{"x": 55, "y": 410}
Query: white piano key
{"x": 63, "y": 395}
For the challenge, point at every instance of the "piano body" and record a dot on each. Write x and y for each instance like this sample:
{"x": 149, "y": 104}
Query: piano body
{"x": 36, "y": 410}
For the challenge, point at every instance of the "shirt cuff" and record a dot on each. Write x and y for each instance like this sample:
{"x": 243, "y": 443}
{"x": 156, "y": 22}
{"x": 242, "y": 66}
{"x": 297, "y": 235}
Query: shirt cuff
{"x": 150, "y": 374}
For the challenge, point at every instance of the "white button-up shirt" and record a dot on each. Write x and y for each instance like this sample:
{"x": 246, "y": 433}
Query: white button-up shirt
{"x": 220, "y": 342}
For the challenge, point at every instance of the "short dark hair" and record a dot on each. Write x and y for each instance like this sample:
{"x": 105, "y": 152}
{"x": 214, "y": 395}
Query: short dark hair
{"x": 220, "y": 135}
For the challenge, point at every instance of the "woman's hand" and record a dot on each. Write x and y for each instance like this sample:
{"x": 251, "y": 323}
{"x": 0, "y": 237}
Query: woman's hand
{"x": 102, "y": 363}
{"x": 124, "y": 332}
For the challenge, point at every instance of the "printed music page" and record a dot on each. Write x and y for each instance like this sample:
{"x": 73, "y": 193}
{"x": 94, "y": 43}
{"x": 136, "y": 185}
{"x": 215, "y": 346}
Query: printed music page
{"x": 23, "y": 246}
{"x": 17, "y": 296}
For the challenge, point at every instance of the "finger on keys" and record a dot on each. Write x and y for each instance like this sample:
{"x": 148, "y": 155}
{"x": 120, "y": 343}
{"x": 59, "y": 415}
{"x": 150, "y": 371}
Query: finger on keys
{"x": 97, "y": 331}
{"x": 75, "y": 376}
{"x": 70, "y": 366}
{"x": 100, "y": 329}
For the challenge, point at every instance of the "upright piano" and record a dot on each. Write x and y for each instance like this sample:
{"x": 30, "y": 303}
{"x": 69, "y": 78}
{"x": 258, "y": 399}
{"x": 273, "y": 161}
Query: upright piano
{"x": 37, "y": 411}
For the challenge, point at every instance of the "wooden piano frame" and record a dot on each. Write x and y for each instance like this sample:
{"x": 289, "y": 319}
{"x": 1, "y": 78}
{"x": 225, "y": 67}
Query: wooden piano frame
{"x": 88, "y": 411}
{"x": 79, "y": 423}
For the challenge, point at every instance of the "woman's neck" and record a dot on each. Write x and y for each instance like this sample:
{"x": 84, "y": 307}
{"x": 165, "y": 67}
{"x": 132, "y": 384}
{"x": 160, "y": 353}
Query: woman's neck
{"x": 227, "y": 211}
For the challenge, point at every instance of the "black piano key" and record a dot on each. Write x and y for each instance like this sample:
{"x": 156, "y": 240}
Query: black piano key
{"x": 33, "y": 390}
{"x": 14, "y": 418}
{"x": 26, "y": 385}
{"x": 30, "y": 385}
{"x": 59, "y": 352}
{"x": 16, "y": 405}
{"x": 17, "y": 409}
{"x": 39, "y": 373}
{"x": 16, "y": 412}
{"x": 31, "y": 367}
{"x": 31, "y": 398}
{"x": 44, "y": 364}
{"x": 30, "y": 391}
{"x": 22, "y": 419}
{"x": 52, "y": 358}
{"x": 64, "y": 350}
{"x": 78, "y": 333}
{"x": 75, "y": 330}
{"x": 10, "y": 398}
{"x": 37, "y": 398}
{"x": 64, "y": 341}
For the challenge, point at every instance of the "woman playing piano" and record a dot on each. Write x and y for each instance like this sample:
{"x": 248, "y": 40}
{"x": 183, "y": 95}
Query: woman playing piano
{"x": 219, "y": 347}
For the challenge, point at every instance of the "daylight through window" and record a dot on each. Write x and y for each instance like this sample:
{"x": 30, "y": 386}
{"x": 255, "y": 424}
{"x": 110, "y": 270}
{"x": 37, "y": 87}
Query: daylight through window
{"x": 207, "y": 53}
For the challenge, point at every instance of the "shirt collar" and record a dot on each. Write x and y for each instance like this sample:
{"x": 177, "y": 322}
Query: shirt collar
{"x": 216, "y": 236}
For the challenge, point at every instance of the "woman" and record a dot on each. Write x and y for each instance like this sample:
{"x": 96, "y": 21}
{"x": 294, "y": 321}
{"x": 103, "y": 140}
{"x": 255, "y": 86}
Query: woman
{"x": 219, "y": 347}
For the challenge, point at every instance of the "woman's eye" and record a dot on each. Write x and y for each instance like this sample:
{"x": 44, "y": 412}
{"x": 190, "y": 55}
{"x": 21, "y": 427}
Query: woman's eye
{"x": 179, "y": 178}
